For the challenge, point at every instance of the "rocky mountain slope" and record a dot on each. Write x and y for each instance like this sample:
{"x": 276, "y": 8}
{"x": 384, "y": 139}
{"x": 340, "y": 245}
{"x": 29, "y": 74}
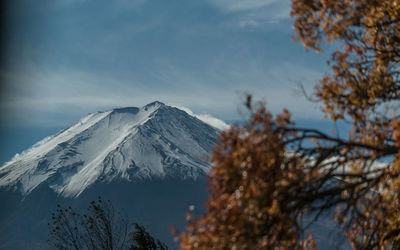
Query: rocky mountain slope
{"x": 154, "y": 141}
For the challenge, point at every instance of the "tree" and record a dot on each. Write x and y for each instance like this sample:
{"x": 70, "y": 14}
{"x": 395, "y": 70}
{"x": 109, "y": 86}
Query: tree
{"x": 269, "y": 173}
{"x": 101, "y": 227}
{"x": 144, "y": 241}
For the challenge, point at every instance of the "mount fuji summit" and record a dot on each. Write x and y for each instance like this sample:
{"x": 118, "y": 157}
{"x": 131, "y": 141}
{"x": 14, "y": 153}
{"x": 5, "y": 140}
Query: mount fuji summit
{"x": 152, "y": 142}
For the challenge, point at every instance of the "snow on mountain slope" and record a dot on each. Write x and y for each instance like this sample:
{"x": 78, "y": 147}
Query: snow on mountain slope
{"x": 130, "y": 143}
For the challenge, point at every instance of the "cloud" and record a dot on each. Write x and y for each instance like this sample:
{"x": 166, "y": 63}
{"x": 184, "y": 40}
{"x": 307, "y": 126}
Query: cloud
{"x": 55, "y": 96}
{"x": 215, "y": 122}
{"x": 42, "y": 96}
{"x": 94, "y": 60}
{"x": 243, "y": 5}
{"x": 121, "y": 3}
{"x": 254, "y": 13}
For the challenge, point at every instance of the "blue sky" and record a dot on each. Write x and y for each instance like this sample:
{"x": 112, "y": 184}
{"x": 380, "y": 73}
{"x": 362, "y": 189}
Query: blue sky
{"x": 66, "y": 58}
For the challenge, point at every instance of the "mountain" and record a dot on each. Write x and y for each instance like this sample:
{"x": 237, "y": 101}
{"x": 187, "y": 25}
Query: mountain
{"x": 154, "y": 141}
{"x": 150, "y": 162}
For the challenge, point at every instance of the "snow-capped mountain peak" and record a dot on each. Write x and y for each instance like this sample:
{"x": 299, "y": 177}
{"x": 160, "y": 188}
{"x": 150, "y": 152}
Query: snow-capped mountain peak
{"x": 155, "y": 141}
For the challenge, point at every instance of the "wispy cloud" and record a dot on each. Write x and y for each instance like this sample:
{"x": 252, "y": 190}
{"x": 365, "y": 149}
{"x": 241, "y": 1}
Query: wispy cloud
{"x": 46, "y": 97}
{"x": 121, "y": 3}
{"x": 84, "y": 61}
{"x": 254, "y": 13}
{"x": 243, "y": 5}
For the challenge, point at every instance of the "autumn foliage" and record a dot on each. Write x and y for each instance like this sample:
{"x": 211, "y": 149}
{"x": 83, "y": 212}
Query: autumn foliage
{"x": 268, "y": 174}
